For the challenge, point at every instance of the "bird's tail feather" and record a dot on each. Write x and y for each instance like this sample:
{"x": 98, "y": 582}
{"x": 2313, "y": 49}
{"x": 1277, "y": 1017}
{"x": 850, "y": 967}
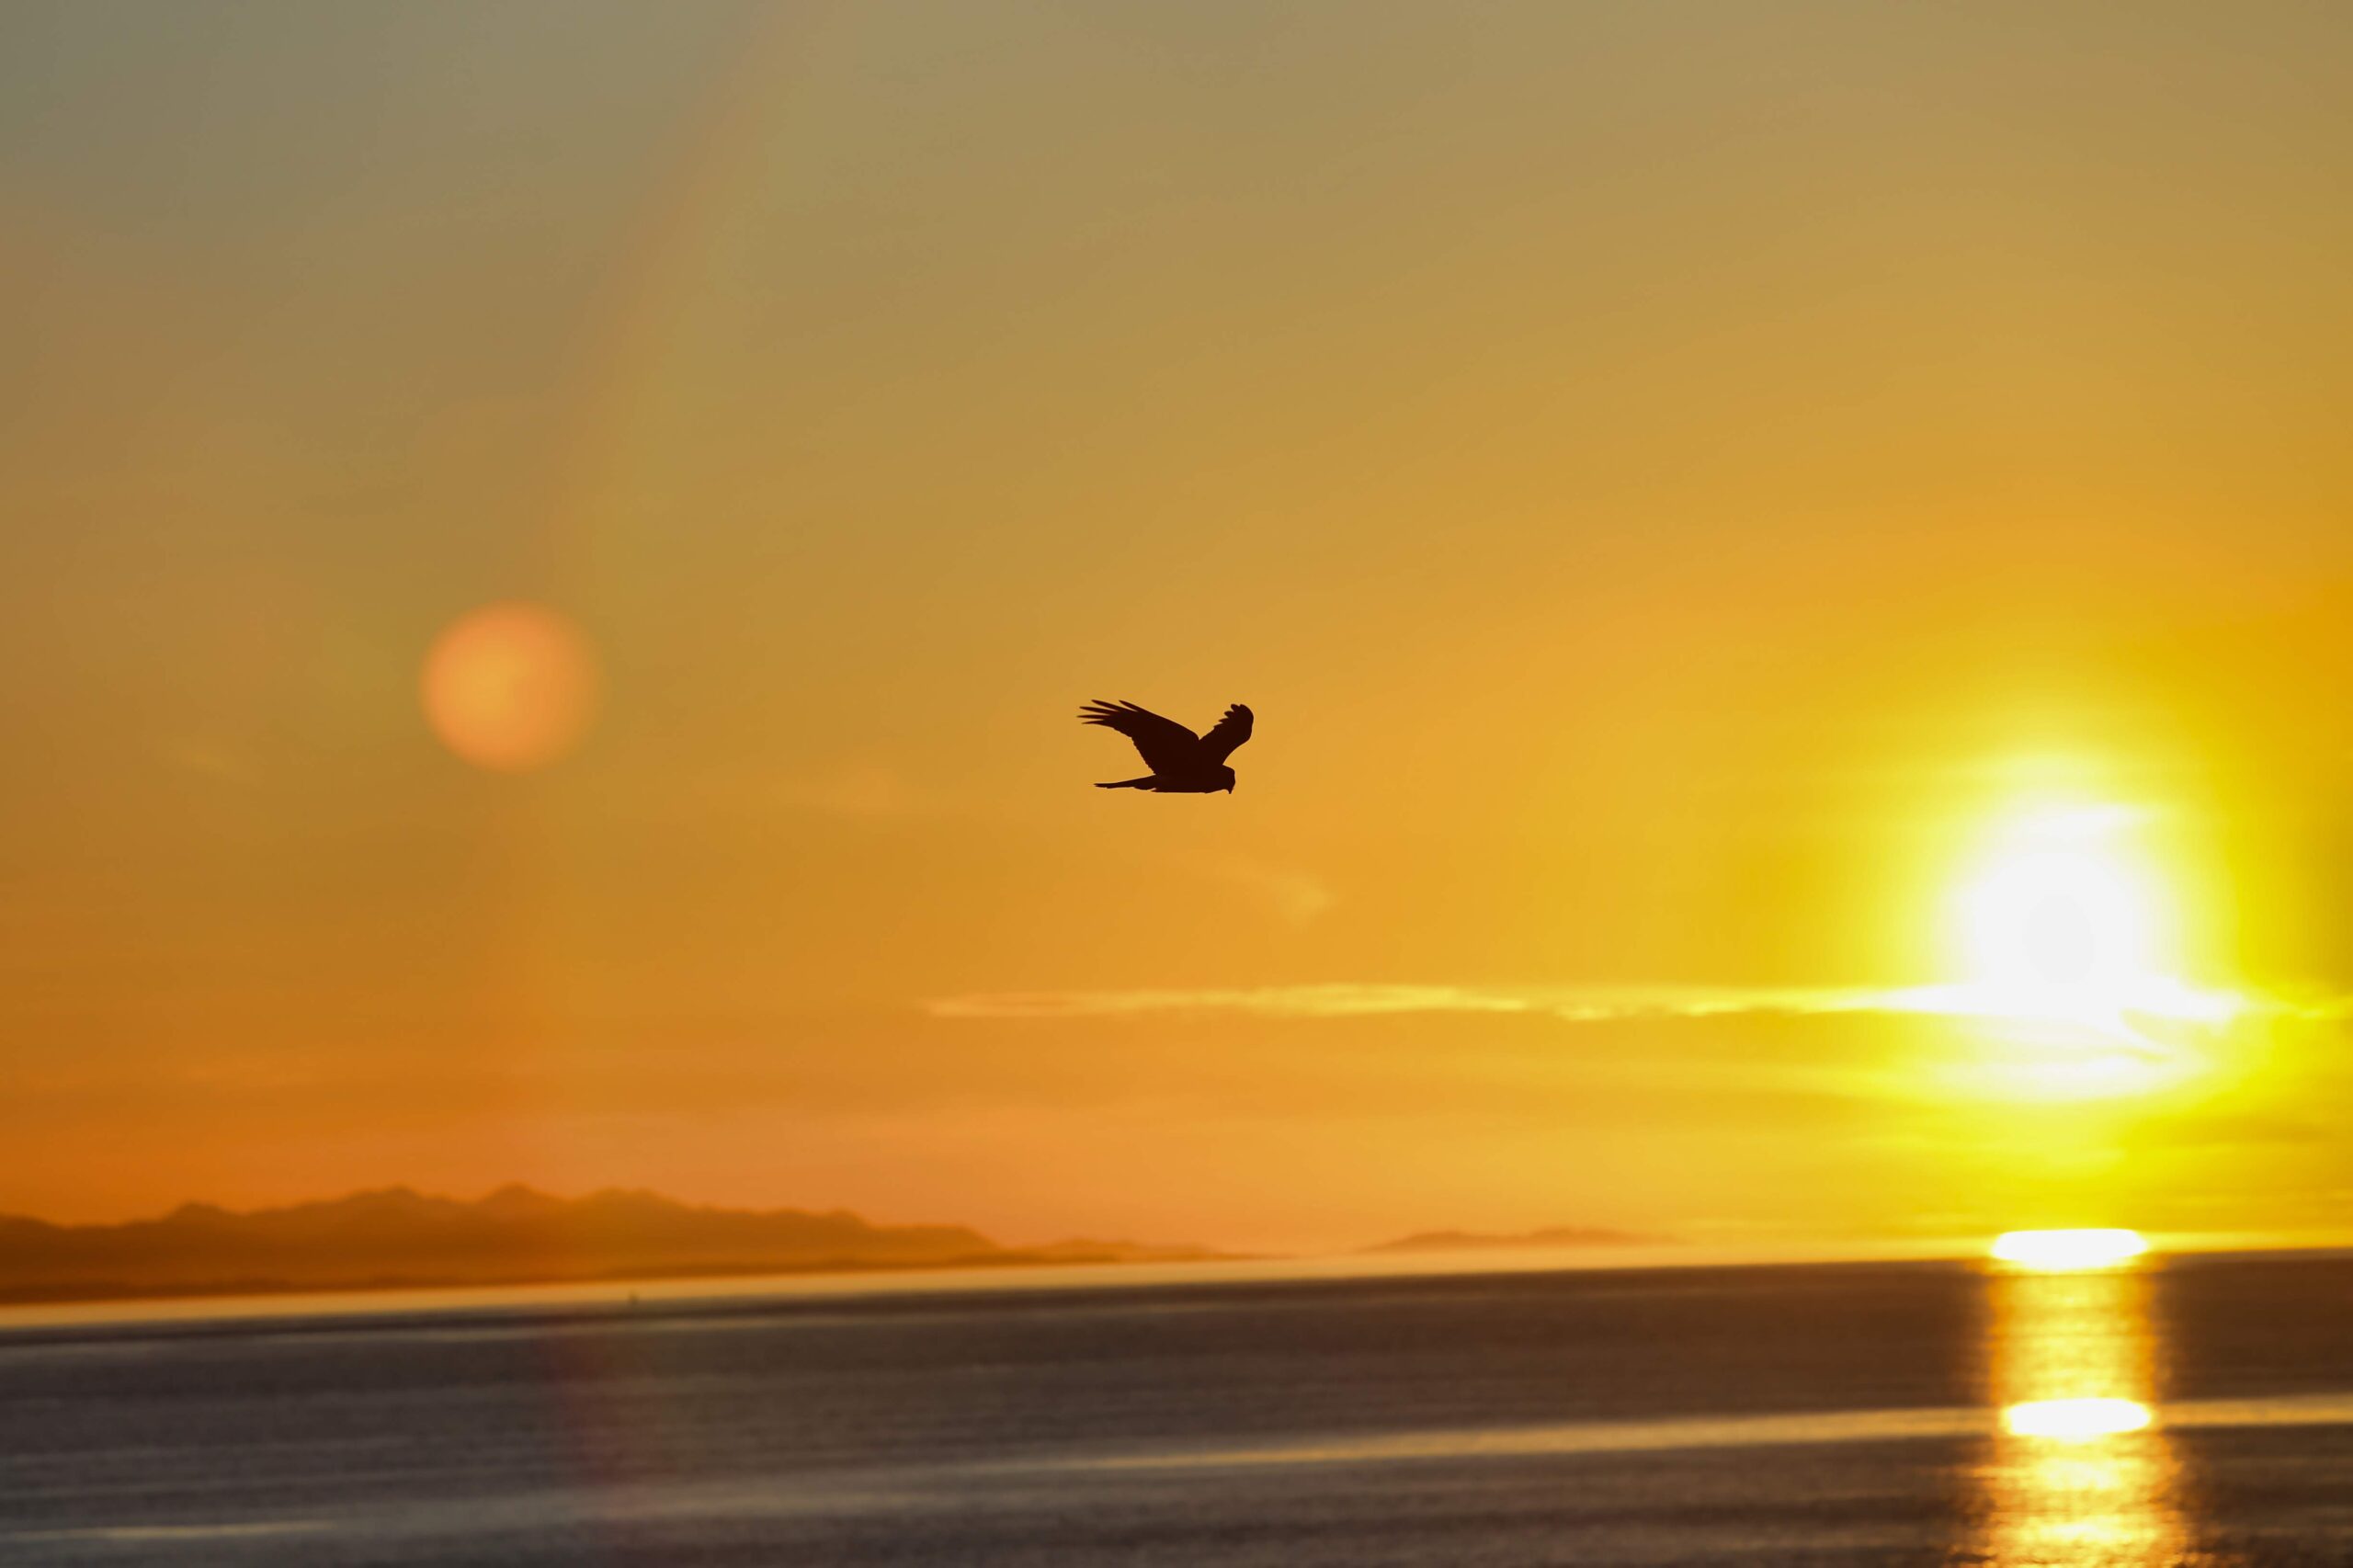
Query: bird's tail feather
{"x": 1128, "y": 783}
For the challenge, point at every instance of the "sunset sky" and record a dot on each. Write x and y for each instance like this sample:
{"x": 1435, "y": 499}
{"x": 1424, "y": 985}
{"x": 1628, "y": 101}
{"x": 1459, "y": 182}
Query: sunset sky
{"x": 1794, "y": 564}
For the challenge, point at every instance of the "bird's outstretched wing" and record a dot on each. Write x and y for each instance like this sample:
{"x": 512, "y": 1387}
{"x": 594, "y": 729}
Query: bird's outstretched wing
{"x": 1167, "y": 746}
{"x": 1226, "y": 734}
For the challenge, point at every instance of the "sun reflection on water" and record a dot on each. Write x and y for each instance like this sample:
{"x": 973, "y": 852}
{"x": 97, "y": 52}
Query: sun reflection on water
{"x": 2066, "y": 1251}
{"x": 2081, "y": 1472}
{"x": 2074, "y": 1420}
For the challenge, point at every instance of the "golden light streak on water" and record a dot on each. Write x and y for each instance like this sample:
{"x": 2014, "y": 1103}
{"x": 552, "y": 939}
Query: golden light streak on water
{"x": 2082, "y": 1473}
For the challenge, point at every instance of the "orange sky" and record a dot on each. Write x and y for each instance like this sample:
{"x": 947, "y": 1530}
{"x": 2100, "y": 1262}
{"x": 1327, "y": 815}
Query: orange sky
{"x": 1674, "y": 482}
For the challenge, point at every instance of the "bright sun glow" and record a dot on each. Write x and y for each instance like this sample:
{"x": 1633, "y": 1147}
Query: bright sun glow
{"x": 2076, "y": 1420}
{"x": 2067, "y": 930}
{"x": 2054, "y": 1252}
{"x": 2062, "y": 919}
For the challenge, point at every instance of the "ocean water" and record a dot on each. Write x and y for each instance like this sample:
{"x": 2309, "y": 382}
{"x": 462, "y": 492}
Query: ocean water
{"x": 2198, "y": 1411}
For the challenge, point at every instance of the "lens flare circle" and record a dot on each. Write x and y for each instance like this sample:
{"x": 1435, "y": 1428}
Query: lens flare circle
{"x": 510, "y": 687}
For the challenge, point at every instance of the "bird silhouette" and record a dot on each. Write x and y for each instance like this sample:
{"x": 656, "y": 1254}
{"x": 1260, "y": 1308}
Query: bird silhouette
{"x": 1182, "y": 763}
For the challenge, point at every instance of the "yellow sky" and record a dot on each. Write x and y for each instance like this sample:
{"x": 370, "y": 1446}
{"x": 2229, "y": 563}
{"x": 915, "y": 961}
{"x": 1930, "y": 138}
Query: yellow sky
{"x": 1684, "y": 487}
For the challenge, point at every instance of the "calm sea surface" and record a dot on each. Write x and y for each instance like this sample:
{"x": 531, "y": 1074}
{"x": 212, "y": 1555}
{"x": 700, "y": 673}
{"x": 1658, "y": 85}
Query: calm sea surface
{"x": 2196, "y": 1411}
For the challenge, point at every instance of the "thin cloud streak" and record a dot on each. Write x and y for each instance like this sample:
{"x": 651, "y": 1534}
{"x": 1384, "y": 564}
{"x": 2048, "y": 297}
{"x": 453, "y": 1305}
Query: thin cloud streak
{"x": 1581, "y": 1005}
{"x": 1346, "y": 1001}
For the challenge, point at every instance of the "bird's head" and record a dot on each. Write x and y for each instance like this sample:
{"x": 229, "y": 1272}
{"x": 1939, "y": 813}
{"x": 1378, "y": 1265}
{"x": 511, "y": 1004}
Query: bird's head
{"x": 1227, "y": 774}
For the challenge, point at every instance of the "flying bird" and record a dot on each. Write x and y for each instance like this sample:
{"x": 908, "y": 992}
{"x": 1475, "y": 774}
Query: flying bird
{"x": 1182, "y": 763}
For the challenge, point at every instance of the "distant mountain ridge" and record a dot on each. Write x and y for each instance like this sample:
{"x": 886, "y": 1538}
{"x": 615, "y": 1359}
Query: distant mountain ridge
{"x": 1548, "y": 1236}
{"x": 396, "y": 1236}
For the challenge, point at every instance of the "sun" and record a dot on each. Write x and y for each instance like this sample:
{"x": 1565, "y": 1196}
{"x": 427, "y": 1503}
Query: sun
{"x": 2066, "y": 934}
{"x": 2061, "y": 918}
